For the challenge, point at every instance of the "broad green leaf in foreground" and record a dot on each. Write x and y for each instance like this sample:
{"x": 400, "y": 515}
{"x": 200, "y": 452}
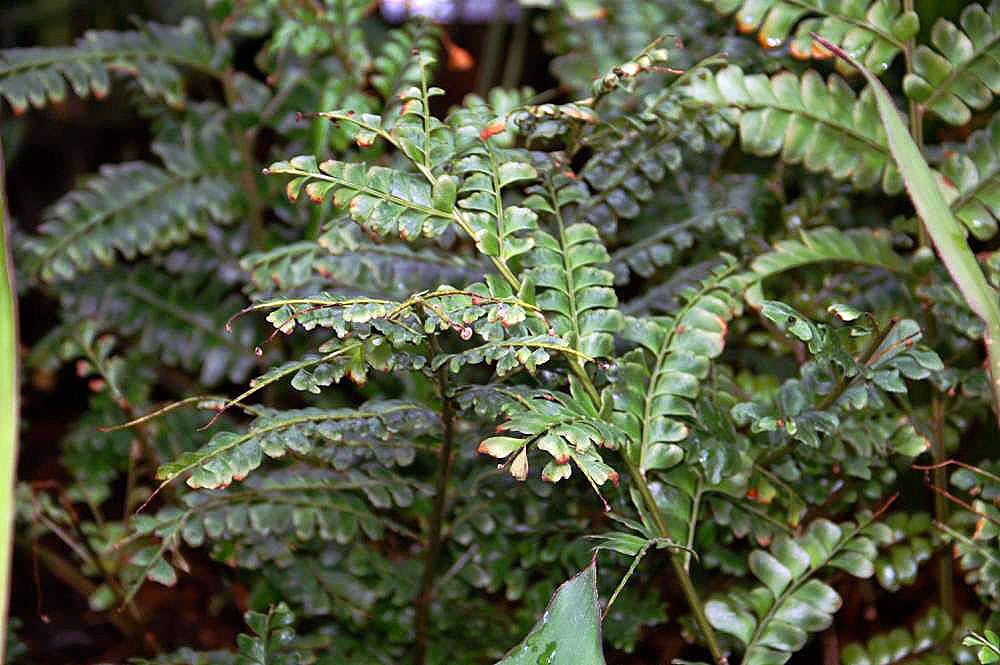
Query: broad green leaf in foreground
{"x": 569, "y": 632}
{"x": 944, "y": 230}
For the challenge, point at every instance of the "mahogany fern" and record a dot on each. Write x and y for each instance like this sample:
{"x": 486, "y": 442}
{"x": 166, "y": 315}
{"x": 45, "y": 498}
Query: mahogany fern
{"x": 400, "y": 370}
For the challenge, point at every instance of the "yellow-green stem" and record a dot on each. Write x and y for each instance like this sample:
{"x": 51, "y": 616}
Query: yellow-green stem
{"x": 9, "y": 386}
{"x": 677, "y": 565}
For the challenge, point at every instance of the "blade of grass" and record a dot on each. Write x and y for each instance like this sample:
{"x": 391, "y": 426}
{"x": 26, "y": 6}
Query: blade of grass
{"x": 8, "y": 406}
{"x": 945, "y": 231}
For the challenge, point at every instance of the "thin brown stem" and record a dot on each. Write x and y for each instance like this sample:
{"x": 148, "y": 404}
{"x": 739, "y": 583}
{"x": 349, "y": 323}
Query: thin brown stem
{"x": 939, "y": 482}
{"x": 245, "y": 143}
{"x": 70, "y": 575}
{"x": 434, "y": 538}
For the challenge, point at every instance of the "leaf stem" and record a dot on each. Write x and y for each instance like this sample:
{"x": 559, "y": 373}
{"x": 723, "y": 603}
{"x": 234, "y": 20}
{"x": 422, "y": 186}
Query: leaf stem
{"x": 434, "y": 540}
{"x": 939, "y": 481}
{"x": 677, "y": 565}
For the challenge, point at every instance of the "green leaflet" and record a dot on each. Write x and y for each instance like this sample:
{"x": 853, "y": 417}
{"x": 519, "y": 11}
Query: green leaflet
{"x": 874, "y": 31}
{"x": 988, "y": 643}
{"x": 959, "y": 73}
{"x": 569, "y": 633}
{"x": 153, "y": 54}
{"x": 941, "y": 225}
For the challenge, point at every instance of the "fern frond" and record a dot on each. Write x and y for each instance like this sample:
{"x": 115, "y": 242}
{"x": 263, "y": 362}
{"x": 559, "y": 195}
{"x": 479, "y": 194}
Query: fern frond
{"x": 383, "y": 201}
{"x": 230, "y": 456}
{"x": 623, "y": 176}
{"x": 270, "y": 643}
{"x": 959, "y": 74}
{"x": 654, "y": 399}
{"x": 978, "y": 554}
{"x": 930, "y": 641}
{"x": 867, "y": 247}
{"x": 663, "y": 247}
{"x": 500, "y": 230}
{"x": 138, "y": 208}
{"x": 396, "y": 68}
{"x": 304, "y": 505}
{"x": 774, "y": 620}
{"x": 873, "y": 31}
{"x": 567, "y": 428}
{"x": 576, "y": 292}
{"x": 823, "y": 126}
{"x": 971, "y": 183}
{"x": 347, "y": 262}
{"x": 152, "y": 54}
{"x": 161, "y": 309}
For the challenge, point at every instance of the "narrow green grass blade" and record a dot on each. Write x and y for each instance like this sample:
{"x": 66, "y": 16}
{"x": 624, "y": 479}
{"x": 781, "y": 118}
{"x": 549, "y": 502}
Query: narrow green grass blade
{"x": 944, "y": 230}
{"x": 8, "y": 406}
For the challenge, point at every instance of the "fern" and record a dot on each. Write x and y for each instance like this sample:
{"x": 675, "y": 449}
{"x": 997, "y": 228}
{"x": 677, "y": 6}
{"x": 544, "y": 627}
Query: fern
{"x": 823, "y": 126}
{"x": 873, "y": 31}
{"x": 566, "y": 429}
{"x": 971, "y": 185}
{"x": 139, "y": 208}
{"x": 858, "y": 247}
{"x": 958, "y": 74}
{"x": 577, "y": 295}
{"x": 653, "y": 399}
{"x": 775, "y": 619}
{"x": 230, "y": 456}
{"x": 930, "y": 641}
{"x": 157, "y": 308}
{"x": 396, "y": 67}
{"x": 344, "y": 261}
{"x": 382, "y": 200}
{"x": 545, "y": 284}
{"x": 912, "y": 546}
{"x": 153, "y": 55}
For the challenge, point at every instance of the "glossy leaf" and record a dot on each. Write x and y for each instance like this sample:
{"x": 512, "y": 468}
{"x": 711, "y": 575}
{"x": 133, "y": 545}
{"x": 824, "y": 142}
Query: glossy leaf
{"x": 569, "y": 633}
